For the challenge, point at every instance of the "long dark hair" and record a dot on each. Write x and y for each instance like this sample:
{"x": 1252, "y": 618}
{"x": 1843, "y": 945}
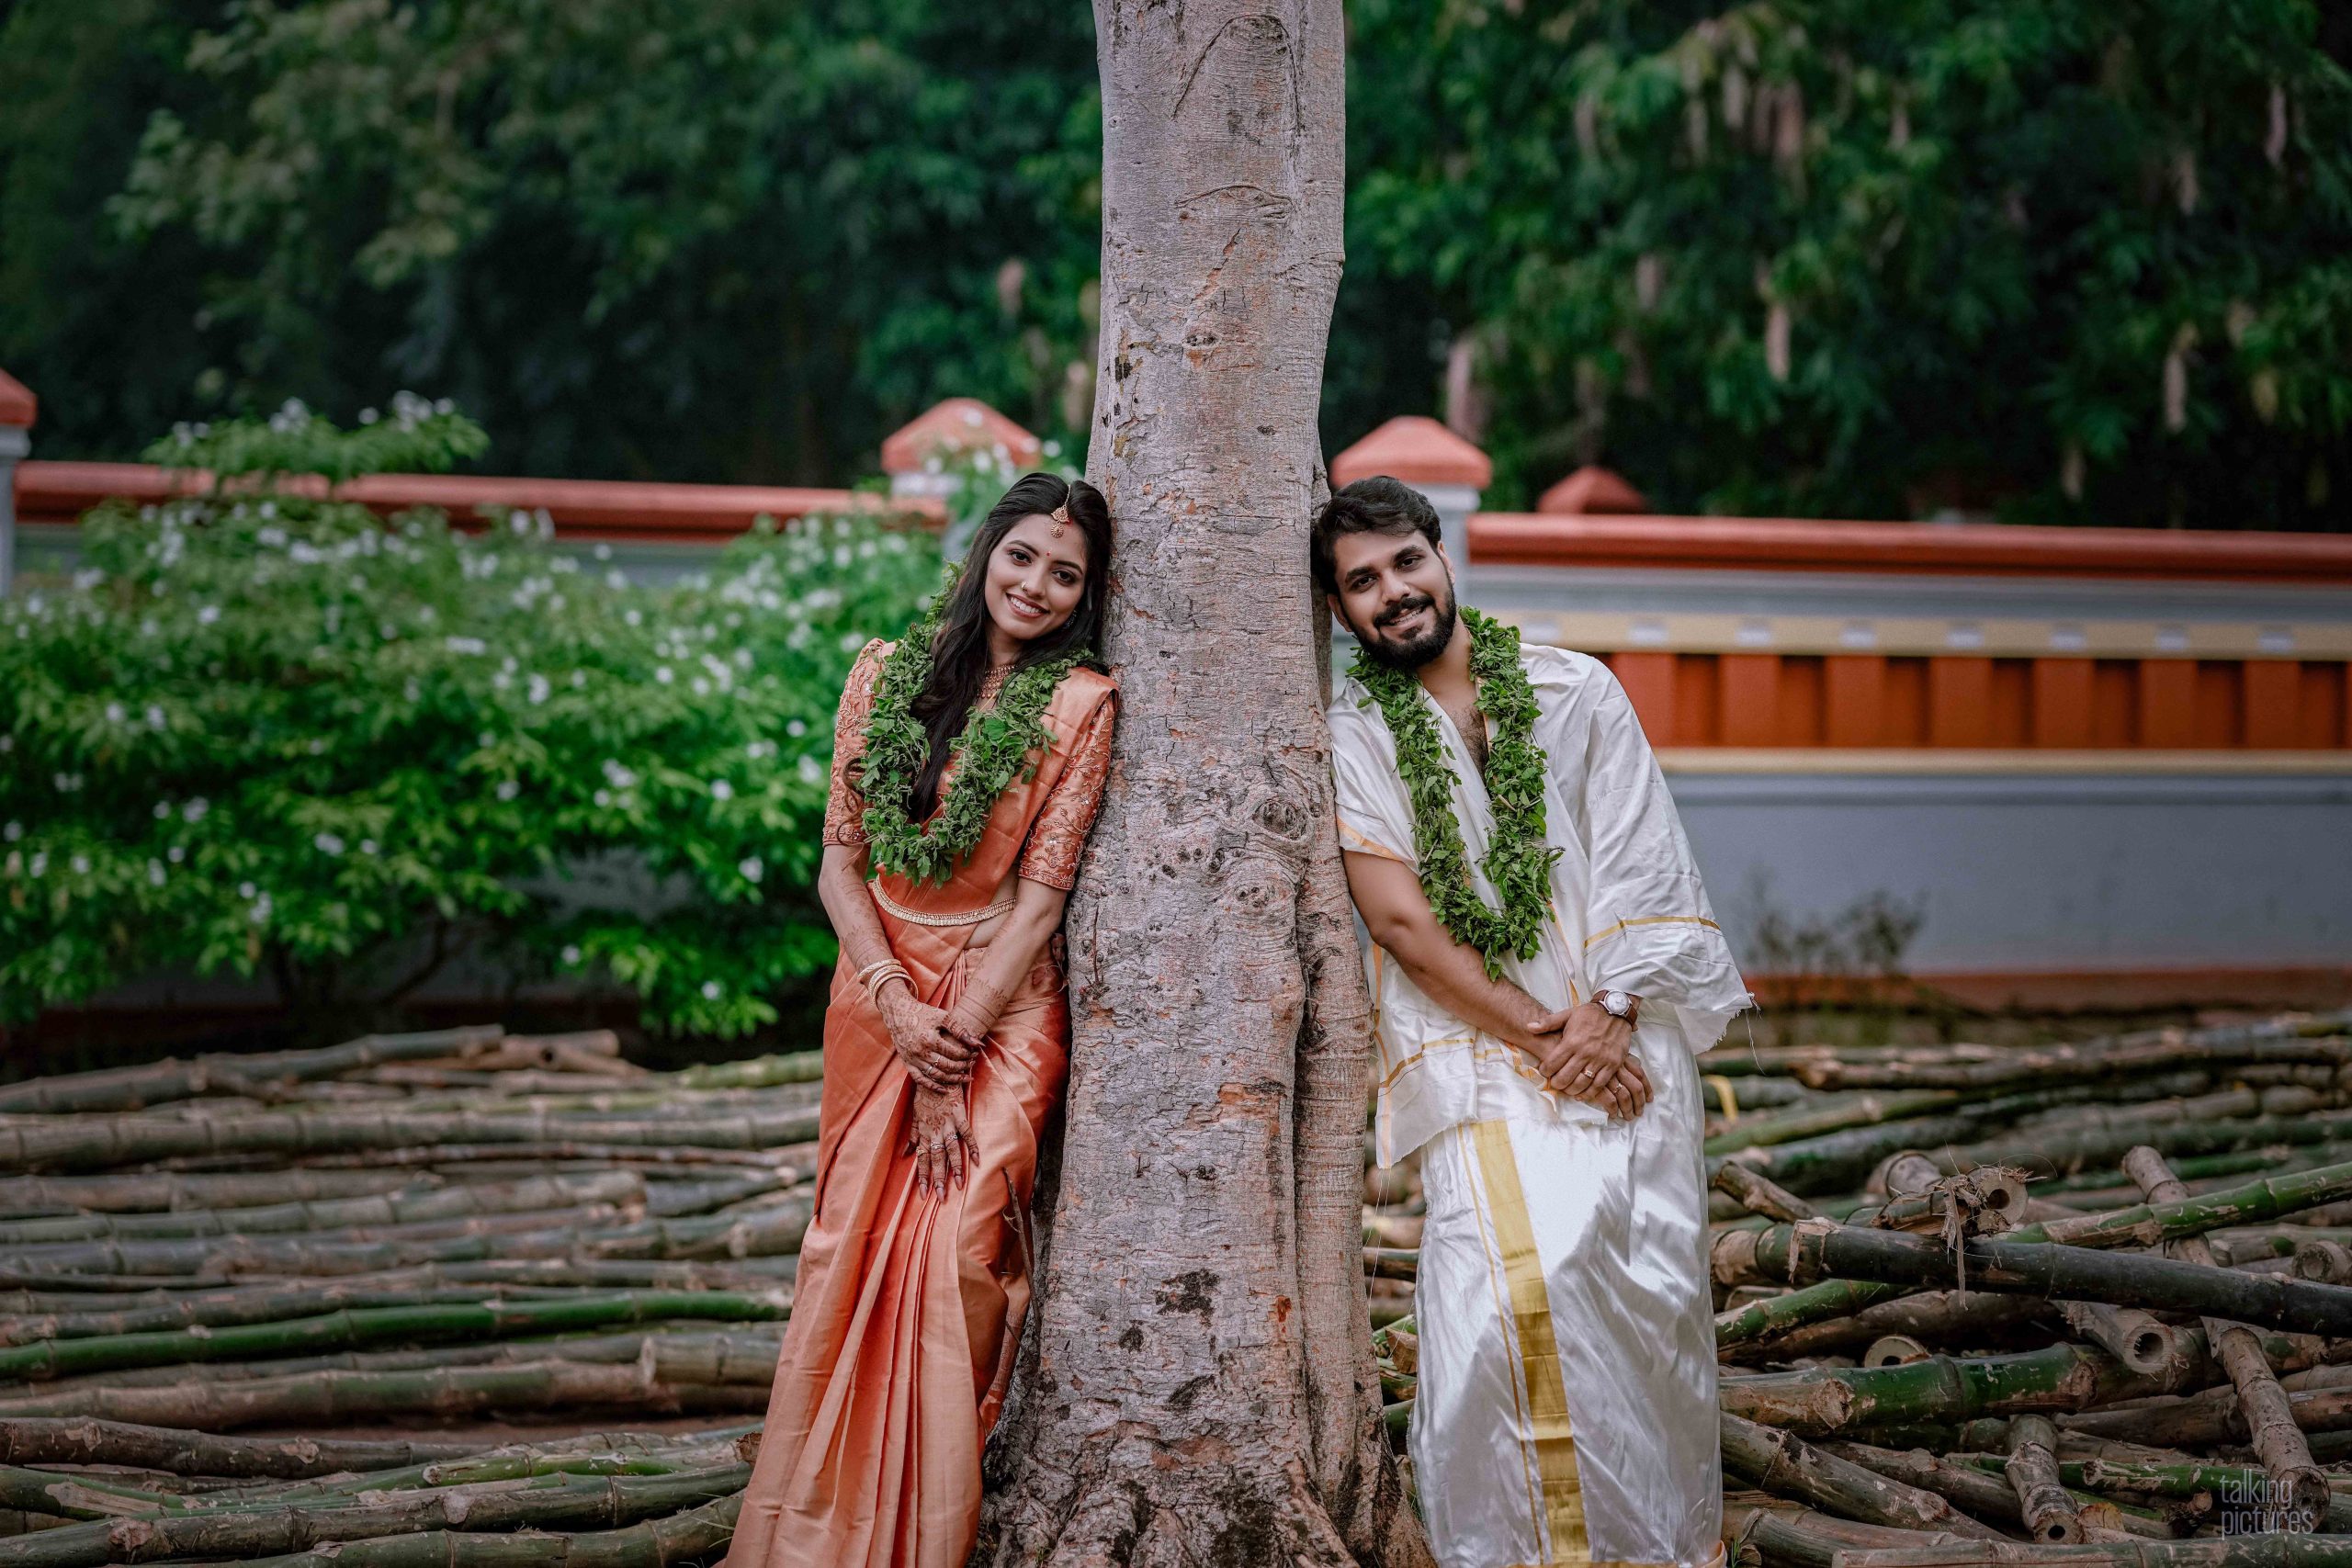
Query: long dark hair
{"x": 959, "y": 654}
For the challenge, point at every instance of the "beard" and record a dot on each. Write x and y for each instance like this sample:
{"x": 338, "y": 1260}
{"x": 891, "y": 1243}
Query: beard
{"x": 1409, "y": 654}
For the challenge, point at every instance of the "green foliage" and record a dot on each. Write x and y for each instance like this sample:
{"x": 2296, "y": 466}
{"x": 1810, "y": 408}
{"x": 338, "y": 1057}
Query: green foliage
{"x": 266, "y": 732}
{"x": 724, "y": 240}
{"x": 2072, "y": 260}
{"x": 2080, "y": 259}
{"x": 1518, "y": 858}
{"x": 420, "y": 438}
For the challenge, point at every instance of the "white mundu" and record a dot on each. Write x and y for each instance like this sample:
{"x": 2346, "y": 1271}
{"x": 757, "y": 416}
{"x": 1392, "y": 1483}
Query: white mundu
{"x": 1566, "y": 1412}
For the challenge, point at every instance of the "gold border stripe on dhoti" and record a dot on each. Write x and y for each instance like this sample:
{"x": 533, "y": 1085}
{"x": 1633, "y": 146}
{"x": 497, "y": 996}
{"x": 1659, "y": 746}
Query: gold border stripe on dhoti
{"x": 1538, "y": 1348}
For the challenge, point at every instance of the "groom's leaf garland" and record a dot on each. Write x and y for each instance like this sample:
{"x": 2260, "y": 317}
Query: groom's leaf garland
{"x": 992, "y": 751}
{"x": 1518, "y": 860}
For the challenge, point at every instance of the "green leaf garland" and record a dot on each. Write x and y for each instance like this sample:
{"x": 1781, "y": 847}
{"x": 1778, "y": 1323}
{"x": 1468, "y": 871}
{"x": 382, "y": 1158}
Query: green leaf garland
{"x": 993, "y": 749}
{"x": 1519, "y": 858}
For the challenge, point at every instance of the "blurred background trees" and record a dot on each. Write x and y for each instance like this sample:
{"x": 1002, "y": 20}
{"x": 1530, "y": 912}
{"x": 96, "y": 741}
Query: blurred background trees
{"x": 2053, "y": 260}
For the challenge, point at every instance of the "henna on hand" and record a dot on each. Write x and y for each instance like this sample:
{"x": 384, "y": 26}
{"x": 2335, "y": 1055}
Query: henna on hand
{"x": 940, "y": 1140}
{"x": 932, "y": 1058}
{"x": 975, "y": 1011}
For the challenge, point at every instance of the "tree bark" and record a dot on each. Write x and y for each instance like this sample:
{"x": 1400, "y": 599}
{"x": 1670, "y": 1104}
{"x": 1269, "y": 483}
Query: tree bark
{"x": 1200, "y": 1386}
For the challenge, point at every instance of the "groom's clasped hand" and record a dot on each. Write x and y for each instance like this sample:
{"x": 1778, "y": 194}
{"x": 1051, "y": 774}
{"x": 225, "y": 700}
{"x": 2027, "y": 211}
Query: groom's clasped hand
{"x": 1586, "y": 1053}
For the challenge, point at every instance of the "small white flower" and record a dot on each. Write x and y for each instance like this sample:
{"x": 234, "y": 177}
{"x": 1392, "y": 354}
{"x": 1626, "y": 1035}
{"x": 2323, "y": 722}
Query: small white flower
{"x": 195, "y": 809}
{"x": 155, "y": 716}
{"x": 810, "y": 771}
{"x": 366, "y": 846}
{"x": 176, "y": 854}
{"x": 39, "y": 863}
{"x": 634, "y": 618}
{"x": 602, "y": 797}
{"x": 617, "y": 775}
{"x": 207, "y": 615}
{"x": 701, "y": 687}
{"x": 579, "y": 678}
{"x": 368, "y": 416}
{"x": 508, "y": 789}
{"x": 13, "y": 832}
{"x": 571, "y": 954}
{"x": 603, "y": 552}
{"x": 540, "y": 688}
{"x": 244, "y": 889}
{"x": 115, "y": 713}
{"x": 261, "y": 909}
{"x": 81, "y": 865}
{"x": 67, "y": 783}
{"x": 661, "y": 673}
{"x": 465, "y": 645}
{"x": 795, "y": 728}
{"x": 155, "y": 873}
{"x": 485, "y": 740}
{"x": 163, "y": 810}
{"x": 721, "y": 790}
{"x": 710, "y": 990}
{"x": 327, "y": 843}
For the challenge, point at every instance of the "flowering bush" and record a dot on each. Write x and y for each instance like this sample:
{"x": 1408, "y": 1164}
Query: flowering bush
{"x": 266, "y": 731}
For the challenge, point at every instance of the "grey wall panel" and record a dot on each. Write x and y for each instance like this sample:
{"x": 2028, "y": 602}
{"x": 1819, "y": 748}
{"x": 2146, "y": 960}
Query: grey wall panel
{"x": 2050, "y": 873}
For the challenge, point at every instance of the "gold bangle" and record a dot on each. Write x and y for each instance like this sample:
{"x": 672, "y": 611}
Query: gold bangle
{"x": 885, "y": 973}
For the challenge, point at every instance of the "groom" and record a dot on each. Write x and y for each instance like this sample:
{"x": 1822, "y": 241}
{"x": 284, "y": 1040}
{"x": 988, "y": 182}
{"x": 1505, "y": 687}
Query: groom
{"x": 1546, "y": 964}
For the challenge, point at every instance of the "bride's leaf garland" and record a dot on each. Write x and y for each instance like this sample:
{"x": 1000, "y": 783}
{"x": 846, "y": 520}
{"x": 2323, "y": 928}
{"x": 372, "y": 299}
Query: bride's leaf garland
{"x": 993, "y": 749}
{"x": 1518, "y": 860}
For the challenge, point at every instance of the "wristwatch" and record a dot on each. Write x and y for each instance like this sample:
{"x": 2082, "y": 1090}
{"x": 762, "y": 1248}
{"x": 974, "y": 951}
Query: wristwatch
{"x": 1620, "y": 1004}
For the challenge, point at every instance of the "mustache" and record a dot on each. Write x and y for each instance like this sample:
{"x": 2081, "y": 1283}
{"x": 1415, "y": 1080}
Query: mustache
{"x": 1403, "y": 608}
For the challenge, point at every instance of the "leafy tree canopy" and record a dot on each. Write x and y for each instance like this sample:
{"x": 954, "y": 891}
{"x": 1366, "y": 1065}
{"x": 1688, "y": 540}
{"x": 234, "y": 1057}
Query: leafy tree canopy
{"x": 2071, "y": 260}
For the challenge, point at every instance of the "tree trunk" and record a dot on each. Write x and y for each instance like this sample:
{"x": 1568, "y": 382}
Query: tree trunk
{"x": 1200, "y": 1385}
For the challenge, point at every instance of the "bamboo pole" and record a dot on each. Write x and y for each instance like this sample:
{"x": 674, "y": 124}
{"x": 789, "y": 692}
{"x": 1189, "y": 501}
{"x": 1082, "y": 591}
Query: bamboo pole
{"x": 1778, "y": 1462}
{"x": 1931, "y": 1316}
{"x": 74, "y": 1144}
{"x": 1986, "y": 1496}
{"x": 1823, "y": 1400}
{"x": 1758, "y": 1195}
{"x": 692, "y": 1536}
{"x": 35, "y": 1440}
{"x": 2213, "y": 1419}
{"x": 544, "y": 1235}
{"x": 417, "y": 1206}
{"x": 2050, "y": 1515}
{"x": 2055, "y": 1064}
{"x": 329, "y": 1398}
{"x": 609, "y": 1502}
{"x": 350, "y": 1327}
{"x": 1812, "y": 1249}
{"x": 25, "y": 1196}
{"x": 1789, "y": 1536}
{"x": 2276, "y": 1549}
{"x": 2300, "y": 1485}
{"x": 157, "y": 1083}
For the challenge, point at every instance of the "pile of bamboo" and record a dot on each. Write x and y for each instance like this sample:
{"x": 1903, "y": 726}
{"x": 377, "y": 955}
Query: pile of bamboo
{"x": 2078, "y": 1303}
{"x": 205, "y": 1264}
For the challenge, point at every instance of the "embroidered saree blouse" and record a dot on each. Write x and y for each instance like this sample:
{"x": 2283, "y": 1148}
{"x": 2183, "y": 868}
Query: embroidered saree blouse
{"x": 1057, "y": 836}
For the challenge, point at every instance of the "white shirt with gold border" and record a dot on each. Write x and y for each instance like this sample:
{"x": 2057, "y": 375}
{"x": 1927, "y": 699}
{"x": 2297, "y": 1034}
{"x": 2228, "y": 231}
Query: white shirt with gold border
{"x": 1628, "y": 909}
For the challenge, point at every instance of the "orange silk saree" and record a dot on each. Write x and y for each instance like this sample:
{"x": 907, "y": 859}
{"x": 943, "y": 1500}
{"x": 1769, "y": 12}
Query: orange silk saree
{"x": 908, "y": 1308}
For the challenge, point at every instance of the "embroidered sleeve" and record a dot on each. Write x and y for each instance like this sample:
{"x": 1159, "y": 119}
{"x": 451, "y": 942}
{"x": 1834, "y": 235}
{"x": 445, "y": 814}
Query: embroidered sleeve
{"x": 846, "y": 807}
{"x": 1058, "y": 836}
